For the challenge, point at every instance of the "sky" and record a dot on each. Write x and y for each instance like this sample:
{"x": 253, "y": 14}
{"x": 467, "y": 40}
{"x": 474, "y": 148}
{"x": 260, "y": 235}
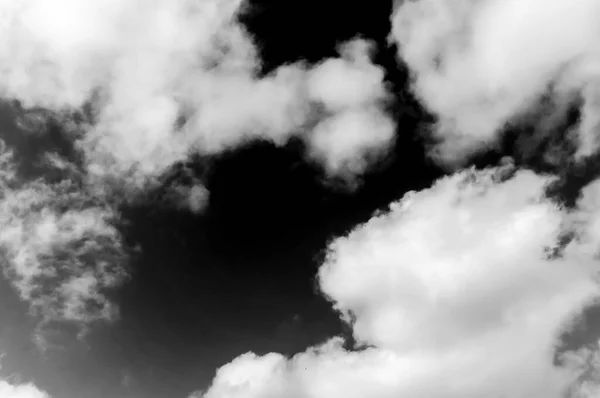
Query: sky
{"x": 260, "y": 199}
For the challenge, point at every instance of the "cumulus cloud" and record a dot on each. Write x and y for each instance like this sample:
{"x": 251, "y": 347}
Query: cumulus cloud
{"x": 8, "y": 390}
{"x": 190, "y": 84}
{"x": 60, "y": 247}
{"x": 465, "y": 289}
{"x": 139, "y": 86}
{"x": 460, "y": 290}
{"x": 481, "y": 64}
{"x": 358, "y": 130}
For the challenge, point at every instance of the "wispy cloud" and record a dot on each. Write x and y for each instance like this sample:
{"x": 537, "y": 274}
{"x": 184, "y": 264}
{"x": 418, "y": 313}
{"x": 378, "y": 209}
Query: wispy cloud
{"x": 60, "y": 248}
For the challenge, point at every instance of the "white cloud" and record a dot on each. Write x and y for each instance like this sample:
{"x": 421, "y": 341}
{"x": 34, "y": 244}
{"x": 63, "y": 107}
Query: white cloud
{"x": 456, "y": 294}
{"x": 351, "y": 91}
{"x": 351, "y": 81}
{"x": 479, "y": 64}
{"x": 197, "y": 64}
{"x": 337, "y": 141}
{"x": 8, "y": 390}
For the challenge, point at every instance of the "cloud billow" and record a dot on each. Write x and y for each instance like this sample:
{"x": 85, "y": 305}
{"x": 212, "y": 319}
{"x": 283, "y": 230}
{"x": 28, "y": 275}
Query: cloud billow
{"x": 480, "y": 65}
{"x": 134, "y": 102}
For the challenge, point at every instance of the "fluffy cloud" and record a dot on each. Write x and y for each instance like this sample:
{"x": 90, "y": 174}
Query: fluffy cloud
{"x": 137, "y": 100}
{"x": 480, "y": 64}
{"x": 60, "y": 248}
{"x": 460, "y": 290}
{"x": 351, "y": 91}
{"x": 190, "y": 84}
{"x": 8, "y": 390}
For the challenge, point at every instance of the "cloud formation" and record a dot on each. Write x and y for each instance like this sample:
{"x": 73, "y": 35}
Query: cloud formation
{"x": 60, "y": 248}
{"x": 136, "y": 101}
{"x": 190, "y": 84}
{"x": 8, "y": 390}
{"x": 460, "y": 290}
{"x": 479, "y": 65}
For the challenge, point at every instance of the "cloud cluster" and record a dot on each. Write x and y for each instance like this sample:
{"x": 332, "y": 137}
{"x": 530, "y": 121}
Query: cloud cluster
{"x": 481, "y": 64}
{"x": 466, "y": 289}
{"x": 140, "y": 86}
{"x": 460, "y": 290}
{"x": 190, "y": 84}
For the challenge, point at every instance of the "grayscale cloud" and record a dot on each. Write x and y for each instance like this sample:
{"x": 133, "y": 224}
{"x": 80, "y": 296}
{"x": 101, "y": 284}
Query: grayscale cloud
{"x": 479, "y": 65}
{"x": 454, "y": 293}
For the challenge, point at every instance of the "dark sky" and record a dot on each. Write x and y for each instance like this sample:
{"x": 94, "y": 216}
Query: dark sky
{"x": 240, "y": 277}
